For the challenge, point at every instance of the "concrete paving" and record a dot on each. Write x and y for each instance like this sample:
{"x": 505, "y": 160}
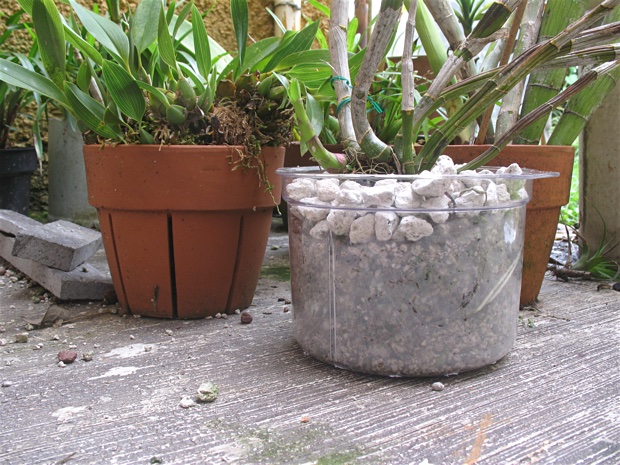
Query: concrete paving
{"x": 553, "y": 400}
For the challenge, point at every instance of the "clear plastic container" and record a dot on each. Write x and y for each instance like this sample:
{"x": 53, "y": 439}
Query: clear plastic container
{"x": 425, "y": 285}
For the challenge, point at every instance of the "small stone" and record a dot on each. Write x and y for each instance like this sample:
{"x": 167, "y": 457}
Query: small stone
{"x": 137, "y": 316}
{"x": 72, "y": 346}
{"x": 169, "y": 332}
{"x": 246, "y": 318}
{"x": 616, "y": 287}
{"x": 207, "y": 392}
{"x": 39, "y": 346}
{"x": 218, "y": 315}
{"x": 285, "y": 309}
{"x": 7, "y": 384}
{"x": 2, "y": 271}
{"x": 2, "y": 342}
{"x": 187, "y": 402}
{"x": 132, "y": 337}
{"x": 61, "y": 364}
{"x": 21, "y": 338}
{"x": 55, "y": 337}
{"x": 28, "y": 327}
{"x": 87, "y": 356}
{"x": 237, "y": 312}
{"x": 224, "y": 316}
{"x": 274, "y": 247}
{"x": 2, "y": 329}
{"x": 437, "y": 386}
{"x": 36, "y": 300}
{"x": 67, "y": 356}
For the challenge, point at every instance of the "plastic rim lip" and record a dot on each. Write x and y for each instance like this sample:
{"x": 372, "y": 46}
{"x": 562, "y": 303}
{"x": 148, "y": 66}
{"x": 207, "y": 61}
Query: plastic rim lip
{"x": 318, "y": 172}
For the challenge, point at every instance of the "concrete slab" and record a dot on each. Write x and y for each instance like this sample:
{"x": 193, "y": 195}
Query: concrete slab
{"x": 12, "y": 223}
{"x": 61, "y": 244}
{"x": 87, "y": 282}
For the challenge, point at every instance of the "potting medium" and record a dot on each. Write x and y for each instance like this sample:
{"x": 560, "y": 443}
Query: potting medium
{"x": 407, "y": 275}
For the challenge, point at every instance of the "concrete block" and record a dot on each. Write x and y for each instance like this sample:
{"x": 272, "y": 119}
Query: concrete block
{"x": 90, "y": 281}
{"x": 12, "y": 223}
{"x": 61, "y": 244}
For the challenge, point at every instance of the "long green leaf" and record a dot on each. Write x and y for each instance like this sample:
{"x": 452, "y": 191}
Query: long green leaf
{"x": 154, "y": 91}
{"x": 109, "y": 34}
{"x": 239, "y": 12}
{"x": 301, "y": 41}
{"x": 201, "y": 44}
{"x": 164, "y": 41}
{"x": 143, "y": 31}
{"x": 26, "y": 5}
{"x": 90, "y": 112}
{"x": 18, "y": 76}
{"x": 50, "y": 31}
{"x": 79, "y": 43}
{"x": 124, "y": 90}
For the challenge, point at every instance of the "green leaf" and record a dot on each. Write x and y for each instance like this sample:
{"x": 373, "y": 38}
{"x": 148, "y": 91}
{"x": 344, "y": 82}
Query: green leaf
{"x": 26, "y": 5}
{"x": 315, "y": 113}
{"x": 301, "y": 41}
{"x": 90, "y": 112}
{"x": 239, "y": 13}
{"x": 164, "y": 41}
{"x": 79, "y": 43}
{"x": 18, "y": 76}
{"x": 319, "y": 6}
{"x": 143, "y": 31}
{"x": 201, "y": 44}
{"x": 83, "y": 76}
{"x": 124, "y": 90}
{"x": 154, "y": 91}
{"x": 182, "y": 16}
{"x": 50, "y": 31}
{"x": 352, "y": 33}
{"x": 109, "y": 34}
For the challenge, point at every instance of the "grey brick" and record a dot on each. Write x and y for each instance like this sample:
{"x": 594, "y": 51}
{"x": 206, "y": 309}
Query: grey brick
{"x": 12, "y": 223}
{"x": 87, "y": 282}
{"x": 61, "y": 244}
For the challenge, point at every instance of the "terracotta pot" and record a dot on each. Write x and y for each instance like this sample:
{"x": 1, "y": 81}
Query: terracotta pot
{"x": 184, "y": 234}
{"x": 543, "y": 211}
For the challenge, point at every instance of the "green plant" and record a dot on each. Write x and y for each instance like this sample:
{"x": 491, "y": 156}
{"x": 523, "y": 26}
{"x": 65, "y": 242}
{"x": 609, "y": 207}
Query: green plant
{"x": 169, "y": 84}
{"x": 468, "y": 102}
{"x": 14, "y": 99}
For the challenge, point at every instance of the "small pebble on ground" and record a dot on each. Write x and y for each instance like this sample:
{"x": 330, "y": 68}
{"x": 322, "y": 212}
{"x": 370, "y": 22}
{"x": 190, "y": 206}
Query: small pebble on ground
{"x": 437, "y": 386}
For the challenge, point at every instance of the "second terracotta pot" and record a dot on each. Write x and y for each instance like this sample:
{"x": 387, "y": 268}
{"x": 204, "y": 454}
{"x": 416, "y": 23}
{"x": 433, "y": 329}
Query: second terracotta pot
{"x": 185, "y": 233}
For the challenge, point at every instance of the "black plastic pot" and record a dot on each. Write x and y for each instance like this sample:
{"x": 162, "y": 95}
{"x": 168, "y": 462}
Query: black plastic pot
{"x": 16, "y": 168}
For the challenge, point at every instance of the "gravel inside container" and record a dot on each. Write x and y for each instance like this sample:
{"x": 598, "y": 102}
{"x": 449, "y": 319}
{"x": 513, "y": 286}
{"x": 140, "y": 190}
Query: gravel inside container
{"x": 407, "y": 275}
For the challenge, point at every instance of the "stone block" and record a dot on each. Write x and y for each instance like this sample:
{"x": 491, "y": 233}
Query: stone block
{"x": 90, "y": 281}
{"x": 12, "y": 223}
{"x": 61, "y": 244}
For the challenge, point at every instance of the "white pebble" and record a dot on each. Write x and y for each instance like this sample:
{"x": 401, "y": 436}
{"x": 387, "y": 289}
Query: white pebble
{"x": 349, "y": 198}
{"x": 470, "y": 199}
{"x": 314, "y": 214}
{"x": 340, "y": 221}
{"x": 437, "y": 386}
{"x": 378, "y": 196}
{"x": 350, "y": 185}
{"x": 434, "y": 203}
{"x": 363, "y": 229}
{"x": 431, "y": 186}
{"x": 320, "y": 230}
{"x": 414, "y": 228}
{"x": 385, "y": 225}
{"x": 327, "y": 189}
{"x": 301, "y": 188}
